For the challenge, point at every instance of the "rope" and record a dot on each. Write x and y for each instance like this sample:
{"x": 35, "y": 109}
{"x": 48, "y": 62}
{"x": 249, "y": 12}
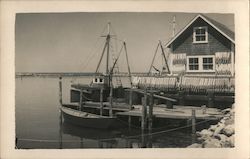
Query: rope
{"x": 134, "y": 136}
{"x": 165, "y": 131}
{"x": 91, "y": 55}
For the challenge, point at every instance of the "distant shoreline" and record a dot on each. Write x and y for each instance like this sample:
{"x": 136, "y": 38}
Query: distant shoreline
{"x": 71, "y": 74}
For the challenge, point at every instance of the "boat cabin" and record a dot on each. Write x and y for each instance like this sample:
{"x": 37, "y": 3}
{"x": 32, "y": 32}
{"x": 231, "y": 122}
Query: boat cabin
{"x": 100, "y": 81}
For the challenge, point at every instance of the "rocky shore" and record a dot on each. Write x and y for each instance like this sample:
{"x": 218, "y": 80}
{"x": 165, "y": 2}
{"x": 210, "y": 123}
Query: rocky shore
{"x": 220, "y": 135}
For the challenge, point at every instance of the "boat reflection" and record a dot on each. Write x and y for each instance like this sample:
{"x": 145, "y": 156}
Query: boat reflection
{"x": 120, "y": 138}
{"x": 123, "y": 138}
{"x": 102, "y": 138}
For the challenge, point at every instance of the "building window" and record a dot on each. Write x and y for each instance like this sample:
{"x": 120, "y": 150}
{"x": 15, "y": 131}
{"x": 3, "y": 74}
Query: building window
{"x": 204, "y": 63}
{"x": 207, "y": 63}
{"x": 193, "y": 63}
{"x": 200, "y": 35}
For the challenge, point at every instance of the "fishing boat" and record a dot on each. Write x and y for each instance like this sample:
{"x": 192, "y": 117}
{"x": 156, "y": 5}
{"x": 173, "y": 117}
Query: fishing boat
{"x": 85, "y": 119}
{"x": 100, "y": 90}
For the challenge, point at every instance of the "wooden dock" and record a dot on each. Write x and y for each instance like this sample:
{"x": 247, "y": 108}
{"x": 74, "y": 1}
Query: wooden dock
{"x": 159, "y": 111}
{"x": 178, "y": 112}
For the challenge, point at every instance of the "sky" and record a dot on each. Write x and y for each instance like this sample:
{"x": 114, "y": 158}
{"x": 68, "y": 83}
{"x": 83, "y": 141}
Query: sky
{"x": 72, "y": 42}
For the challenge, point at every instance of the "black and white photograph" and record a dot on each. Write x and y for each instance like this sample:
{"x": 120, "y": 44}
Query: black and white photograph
{"x": 171, "y": 79}
{"x": 123, "y": 80}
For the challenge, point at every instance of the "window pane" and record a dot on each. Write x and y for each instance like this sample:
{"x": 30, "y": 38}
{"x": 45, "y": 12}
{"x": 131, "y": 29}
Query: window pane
{"x": 198, "y": 38}
{"x": 202, "y": 31}
{"x": 204, "y": 60}
{"x": 196, "y": 60}
{"x": 207, "y": 67}
{"x": 191, "y": 60}
{"x": 197, "y": 31}
{"x": 207, "y": 63}
{"x": 202, "y": 38}
{"x": 210, "y": 60}
{"x": 200, "y": 34}
{"x": 193, "y": 64}
{"x": 193, "y": 67}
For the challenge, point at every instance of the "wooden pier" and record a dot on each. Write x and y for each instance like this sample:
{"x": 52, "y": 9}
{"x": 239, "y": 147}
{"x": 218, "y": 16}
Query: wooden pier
{"x": 178, "y": 112}
{"x": 149, "y": 109}
{"x": 148, "y": 113}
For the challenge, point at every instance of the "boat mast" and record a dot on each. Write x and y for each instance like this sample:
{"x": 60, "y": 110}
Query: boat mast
{"x": 109, "y": 73}
{"x": 108, "y": 41}
{"x": 106, "y": 46}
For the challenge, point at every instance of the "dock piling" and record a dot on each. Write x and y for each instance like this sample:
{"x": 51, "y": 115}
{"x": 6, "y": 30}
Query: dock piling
{"x": 111, "y": 101}
{"x": 101, "y": 101}
{"x": 193, "y": 118}
{"x": 181, "y": 98}
{"x": 144, "y": 112}
{"x": 169, "y": 104}
{"x": 210, "y": 99}
{"x": 60, "y": 90}
{"x": 130, "y": 107}
{"x": 60, "y": 115}
{"x": 80, "y": 101}
{"x": 150, "y": 112}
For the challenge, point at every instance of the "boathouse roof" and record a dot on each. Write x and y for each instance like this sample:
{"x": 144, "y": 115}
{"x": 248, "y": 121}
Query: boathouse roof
{"x": 216, "y": 25}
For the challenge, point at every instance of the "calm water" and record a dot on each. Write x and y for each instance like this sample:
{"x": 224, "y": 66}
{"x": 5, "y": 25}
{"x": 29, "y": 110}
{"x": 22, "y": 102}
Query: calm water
{"x": 38, "y": 124}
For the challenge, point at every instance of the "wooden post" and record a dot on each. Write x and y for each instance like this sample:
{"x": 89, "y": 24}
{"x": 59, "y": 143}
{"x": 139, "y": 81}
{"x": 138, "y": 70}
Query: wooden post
{"x": 60, "y": 115}
{"x": 193, "y": 121}
{"x": 111, "y": 101}
{"x": 130, "y": 107}
{"x": 60, "y": 130}
{"x": 60, "y": 90}
{"x": 130, "y": 99}
{"x": 210, "y": 99}
{"x": 80, "y": 102}
{"x": 150, "y": 113}
{"x": 144, "y": 112}
{"x": 150, "y": 120}
{"x": 101, "y": 101}
{"x": 169, "y": 104}
{"x": 81, "y": 142}
{"x": 143, "y": 139}
{"x": 181, "y": 98}
{"x": 156, "y": 101}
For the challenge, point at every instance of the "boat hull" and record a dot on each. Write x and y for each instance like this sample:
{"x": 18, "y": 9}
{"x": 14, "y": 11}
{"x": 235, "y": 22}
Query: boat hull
{"x": 87, "y": 119}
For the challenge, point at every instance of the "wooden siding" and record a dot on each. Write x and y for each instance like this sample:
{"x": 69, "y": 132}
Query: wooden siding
{"x": 216, "y": 41}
